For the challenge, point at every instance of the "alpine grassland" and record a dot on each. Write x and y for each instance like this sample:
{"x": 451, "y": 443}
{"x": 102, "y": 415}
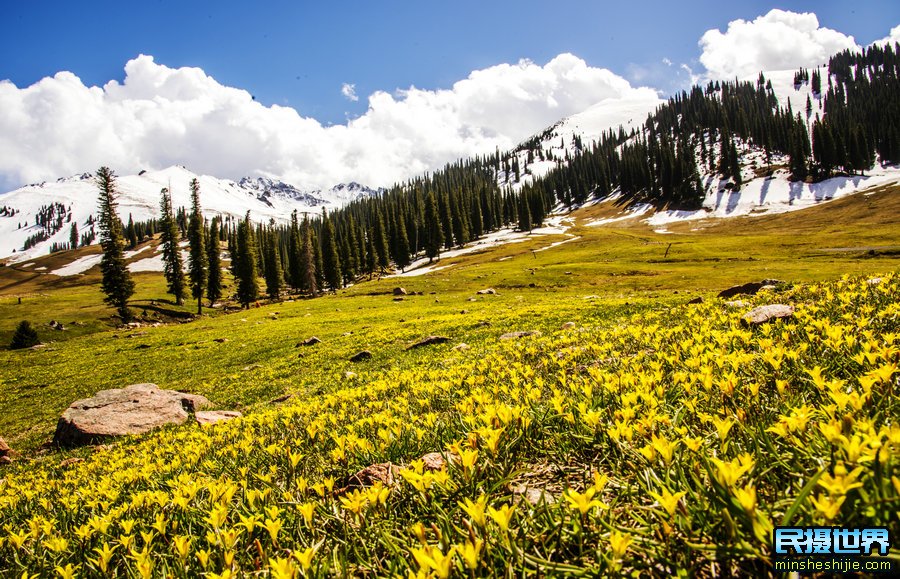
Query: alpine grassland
{"x": 623, "y": 431}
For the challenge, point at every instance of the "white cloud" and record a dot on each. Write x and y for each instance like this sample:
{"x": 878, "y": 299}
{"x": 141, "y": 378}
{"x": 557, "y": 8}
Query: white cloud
{"x": 891, "y": 38}
{"x": 780, "y": 40}
{"x": 349, "y": 92}
{"x": 161, "y": 116}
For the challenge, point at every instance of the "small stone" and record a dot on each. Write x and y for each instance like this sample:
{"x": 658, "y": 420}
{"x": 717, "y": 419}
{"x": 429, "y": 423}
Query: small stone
{"x": 696, "y": 300}
{"x": 487, "y": 291}
{"x": 4, "y": 460}
{"x": 472, "y": 300}
{"x": 399, "y": 291}
{"x": 750, "y": 288}
{"x": 70, "y": 461}
{"x": 568, "y": 325}
{"x": 768, "y": 313}
{"x": 386, "y": 473}
{"x": 429, "y": 341}
{"x": 205, "y": 417}
{"x": 736, "y": 304}
{"x": 348, "y": 375}
{"x": 360, "y": 356}
{"x": 516, "y": 335}
{"x": 398, "y": 299}
{"x": 4, "y": 448}
{"x": 461, "y": 347}
{"x": 874, "y": 281}
{"x": 220, "y": 340}
{"x": 310, "y": 341}
{"x": 280, "y": 399}
{"x": 437, "y": 461}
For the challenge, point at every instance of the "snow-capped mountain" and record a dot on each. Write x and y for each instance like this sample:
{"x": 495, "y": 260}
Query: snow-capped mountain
{"x": 25, "y": 211}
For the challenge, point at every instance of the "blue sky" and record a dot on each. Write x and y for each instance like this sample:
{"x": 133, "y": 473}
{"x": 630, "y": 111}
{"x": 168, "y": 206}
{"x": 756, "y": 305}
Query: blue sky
{"x": 301, "y": 53}
{"x": 235, "y": 89}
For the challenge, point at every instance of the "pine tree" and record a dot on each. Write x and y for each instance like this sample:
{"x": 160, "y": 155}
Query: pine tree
{"x": 73, "y": 236}
{"x": 274, "y": 279}
{"x": 331, "y": 262}
{"x": 295, "y": 259}
{"x": 171, "y": 253}
{"x": 307, "y": 280}
{"x": 117, "y": 283}
{"x": 24, "y": 337}
{"x": 197, "y": 258}
{"x": 214, "y": 283}
{"x": 434, "y": 236}
{"x": 244, "y": 265}
{"x": 130, "y": 233}
{"x": 381, "y": 243}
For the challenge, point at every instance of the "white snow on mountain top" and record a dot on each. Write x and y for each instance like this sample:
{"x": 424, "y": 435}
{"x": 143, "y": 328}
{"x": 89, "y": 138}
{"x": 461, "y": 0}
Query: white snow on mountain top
{"x": 139, "y": 197}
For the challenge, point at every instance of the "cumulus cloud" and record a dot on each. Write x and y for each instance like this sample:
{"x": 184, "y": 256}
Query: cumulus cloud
{"x": 349, "y": 92}
{"x": 891, "y": 38}
{"x": 159, "y": 116}
{"x": 779, "y": 40}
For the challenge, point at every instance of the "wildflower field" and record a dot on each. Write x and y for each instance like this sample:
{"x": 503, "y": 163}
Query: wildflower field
{"x": 667, "y": 442}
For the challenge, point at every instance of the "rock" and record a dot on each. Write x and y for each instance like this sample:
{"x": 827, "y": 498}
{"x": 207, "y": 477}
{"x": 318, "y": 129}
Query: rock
{"x": 487, "y": 291}
{"x": 750, "y": 288}
{"x": 874, "y": 281}
{"x": 437, "y": 461}
{"x": 472, "y": 300}
{"x": 213, "y": 416}
{"x": 568, "y": 325}
{"x": 696, "y": 300}
{"x": 56, "y": 325}
{"x": 135, "y": 409}
{"x": 736, "y": 304}
{"x": 310, "y": 342}
{"x": 531, "y": 495}
{"x": 4, "y": 460}
{"x": 250, "y": 368}
{"x": 764, "y": 314}
{"x": 399, "y": 291}
{"x": 462, "y": 347}
{"x": 220, "y": 340}
{"x": 398, "y": 299}
{"x": 386, "y": 473}
{"x": 280, "y": 399}
{"x": 70, "y": 461}
{"x": 360, "y": 356}
{"x": 516, "y": 335}
{"x": 4, "y": 448}
{"x": 348, "y": 375}
{"x": 429, "y": 341}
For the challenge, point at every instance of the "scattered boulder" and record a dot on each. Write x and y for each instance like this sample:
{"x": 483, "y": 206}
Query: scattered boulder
{"x": 310, "y": 341}
{"x": 736, "y": 304}
{"x": 70, "y": 461}
{"x": 56, "y": 325}
{"x": 221, "y": 340}
{"x": 360, "y": 356}
{"x": 438, "y": 461}
{"x": 517, "y": 335}
{"x": 487, "y": 291}
{"x": 135, "y": 409}
{"x": 768, "y": 313}
{"x": 461, "y": 347}
{"x": 5, "y": 452}
{"x": 386, "y": 473}
{"x": 348, "y": 375}
{"x": 568, "y": 325}
{"x": 874, "y": 281}
{"x": 280, "y": 399}
{"x": 399, "y": 291}
{"x": 532, "y": 495}
{"x": 750, "y": 288}
{"x": 213, "y": 416}
{"x": 398, "y": 299}
{"x": 696, "y": 300}
{"x": 429, "y": 341}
